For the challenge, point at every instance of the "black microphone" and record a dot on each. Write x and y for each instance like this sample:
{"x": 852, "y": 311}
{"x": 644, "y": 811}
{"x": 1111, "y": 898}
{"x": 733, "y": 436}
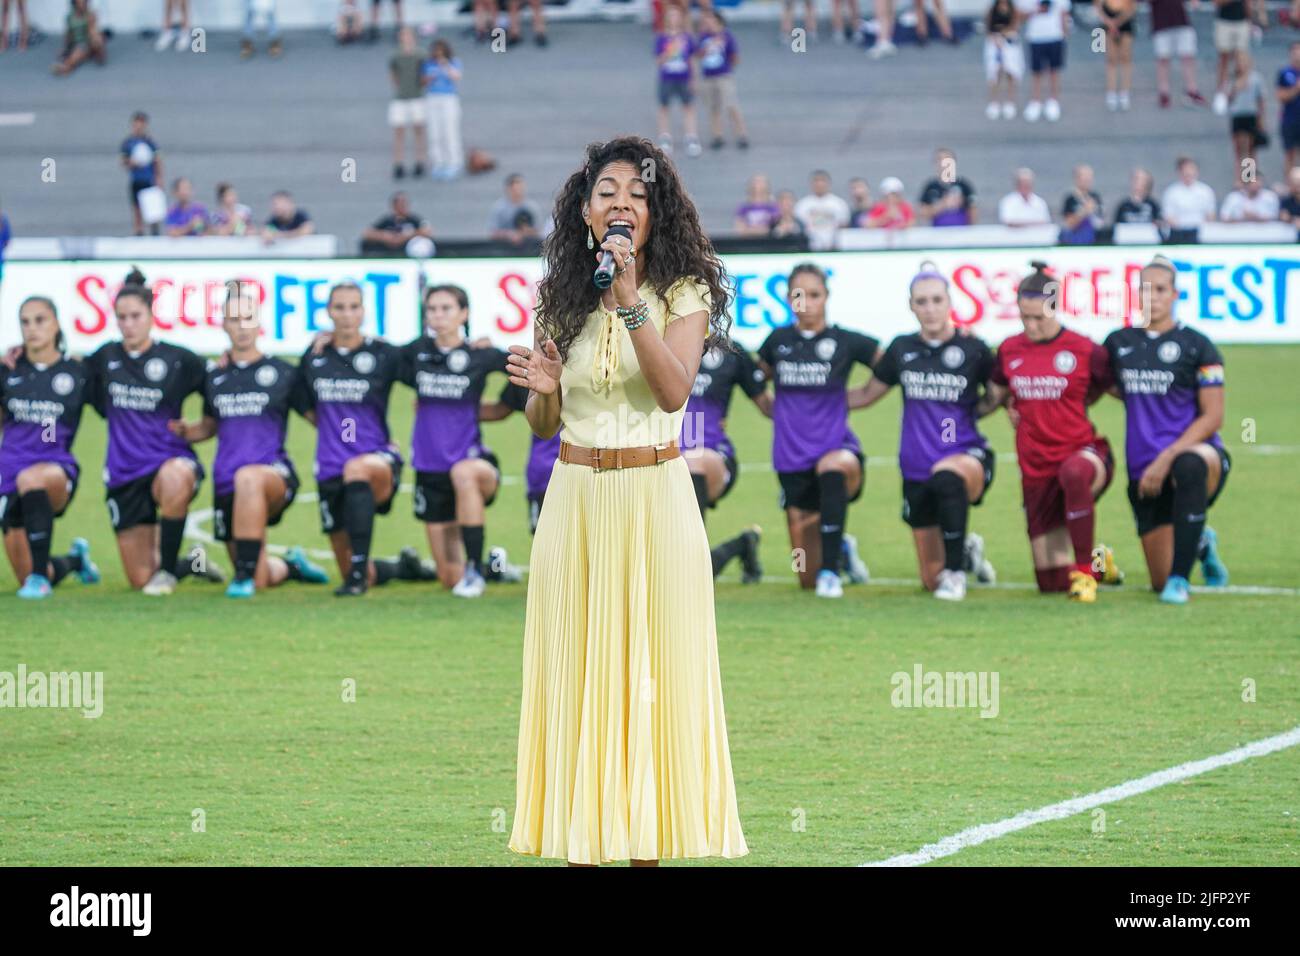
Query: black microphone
{"x": 604, "y": 275}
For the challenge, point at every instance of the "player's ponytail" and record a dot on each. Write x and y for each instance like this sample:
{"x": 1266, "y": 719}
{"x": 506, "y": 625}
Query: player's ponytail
{"x": 1163, "y": 262}
{"x": 134, "y": 284}
{"x": 1039, "y": 284}
{"x": 928, "y": 270}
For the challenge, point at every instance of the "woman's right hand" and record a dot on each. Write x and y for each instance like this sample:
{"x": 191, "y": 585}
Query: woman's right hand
{"x": 321, "y": 342}
{"x": 10, "y": 358}
{"x": 538, "y": 369}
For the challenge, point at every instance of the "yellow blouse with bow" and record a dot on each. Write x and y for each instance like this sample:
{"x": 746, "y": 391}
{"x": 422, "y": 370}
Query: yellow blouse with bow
{"x": 606, "y": 401}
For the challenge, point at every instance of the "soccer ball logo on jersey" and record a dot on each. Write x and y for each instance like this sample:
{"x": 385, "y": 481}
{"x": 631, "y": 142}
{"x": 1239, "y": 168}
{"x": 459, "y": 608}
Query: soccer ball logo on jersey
{"x": 1169, "y": 352}
{"x": 457, "y": 360}
{"x": 712, "y": 359}
{"x": 953, "y": 356}
{"x": 155, "y": 370}
{"x": 364, "y": 363}
{"x": 62, "y": 384}
{"x": 266, "y": 376}
{"x": 825, "y": 349}
{"x": 1064, "y": 362}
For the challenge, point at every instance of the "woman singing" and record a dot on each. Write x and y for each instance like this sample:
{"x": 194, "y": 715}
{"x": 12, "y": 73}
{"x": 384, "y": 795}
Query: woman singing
{"x": 623, "y": 749}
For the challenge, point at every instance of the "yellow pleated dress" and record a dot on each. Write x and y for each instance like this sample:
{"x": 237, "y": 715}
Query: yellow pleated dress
{"x": 622, "y": 737}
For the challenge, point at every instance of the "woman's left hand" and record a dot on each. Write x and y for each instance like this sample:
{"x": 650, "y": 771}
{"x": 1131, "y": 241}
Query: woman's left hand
{"x": 624, "y": 286}
{"x": 1153, "y": 478}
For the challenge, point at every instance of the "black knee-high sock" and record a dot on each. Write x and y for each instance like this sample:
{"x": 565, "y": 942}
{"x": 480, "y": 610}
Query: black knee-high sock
{"x": 169, "y": 545}
{"x": 472, "y": 535}
{"x": 950, "y": 496}
{"x": 1191, "y": 496}
{"x": 701, "y": 484}
{"x": 63, "y": 565}
{"x": 247, "y": 553}
{"x": 359, "y": 519}
{"x": 724, "y": 552}
{"x": 834, "y": 509}
{"x": 38, "y": 520}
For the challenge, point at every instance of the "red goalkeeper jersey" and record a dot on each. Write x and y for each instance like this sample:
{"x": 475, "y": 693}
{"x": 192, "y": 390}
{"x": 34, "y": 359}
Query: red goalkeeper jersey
{"x": 1050, "y": 382}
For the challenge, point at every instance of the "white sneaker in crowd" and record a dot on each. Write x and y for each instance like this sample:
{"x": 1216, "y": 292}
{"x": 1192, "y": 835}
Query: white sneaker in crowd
{"x": 1112, "y": 100}
{"x": 1008, "y": 110}
{"x": 1052, "y": 111}
{"x": 1033, "y": 110}
{"x": 166, "y": 37}
{"x": 1220, "y": 103}
{"x": 992, "y": 111}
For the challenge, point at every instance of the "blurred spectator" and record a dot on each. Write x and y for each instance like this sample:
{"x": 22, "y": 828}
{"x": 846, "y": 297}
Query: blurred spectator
{"x": 21, "y": 33}
{"x": 941, "y": 21}
{"x": 759, "y": 212}
{"x": 884, "y": 45}
{"x": 287, "y": 220}
{"x": 442, "y": 73}
{"x": 843, "y": 28}
{"x": 374, "y": 18}
{"x": 787, "y": 20}
{"x": 673, "y": 50}
{"x": 393, "y": 231}
{"x": 1138, "y": 206}
{"x": 787, "y": 224}
{"x": 1081, "y": 211}
{"x": 229, "y": 217}
{"x": 266, "y": 8}
{"x": 406, "y": 108}
{"x": 1288, "y": 94}
{"x": 516, "y": 219}
{"x": 859, "y": 202}
{"x": 1250, "y": 202}
{"x": 1246, "y": 108}
{"x": 1172, "y": 34}
{"x": 82, "y": 40}
{"x": 1232, "y": 41}
{"x": 350, "y": 25}
{"x": 1022, "y": 206}
{"x": 179, "y": 35}
{"x": 1118, "y": 18}
{"x": 822, "y": 213}
{"x": 140, "y": 157}
{"x": 516, "y": 34}
{"x": 1187, "y": 202}
{"x": 947, "y": 199}
{"x": 1004, "y": 57}
{"x": 1046, "y": 23}
{"x": 718, "y": 53}
{"x": 186, "y": 217}
{"x": 893, "y": 211}
{"x": 1290, "y": 209}
{"x": 485, "y": 12}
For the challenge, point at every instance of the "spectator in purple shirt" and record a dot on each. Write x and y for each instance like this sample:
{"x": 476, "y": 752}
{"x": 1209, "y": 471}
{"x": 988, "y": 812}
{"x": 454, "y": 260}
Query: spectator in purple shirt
{"x": 759, "y": 212}
{"x": 717, "y": 50}
{"x": 186, "y": 217}
{"x": 673, "y": 50}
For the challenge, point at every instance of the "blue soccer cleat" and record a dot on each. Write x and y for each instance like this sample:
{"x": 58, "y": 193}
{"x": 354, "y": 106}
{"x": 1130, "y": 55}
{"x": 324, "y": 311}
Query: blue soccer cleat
{"x": 1176, "y": 590}
{"x": 1212, "y": 566}
{"x": 89, "y": 573}
{"x": 37, "y": 587}
{"x": 297, "y": 559}
{"x": 241, "y": 588}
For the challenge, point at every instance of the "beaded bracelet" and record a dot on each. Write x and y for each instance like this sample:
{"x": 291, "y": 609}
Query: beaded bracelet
{"x": 635, "y": 316}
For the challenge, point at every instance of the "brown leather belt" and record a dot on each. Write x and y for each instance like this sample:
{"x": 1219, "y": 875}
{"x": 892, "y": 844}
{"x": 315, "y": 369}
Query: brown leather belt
{"x": 603, "y": 459}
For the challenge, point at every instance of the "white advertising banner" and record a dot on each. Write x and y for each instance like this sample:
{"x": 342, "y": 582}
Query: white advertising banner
{"x": 1231, "y": 293}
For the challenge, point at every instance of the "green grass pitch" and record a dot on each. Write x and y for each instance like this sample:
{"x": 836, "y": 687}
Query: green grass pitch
{"x": 237, "y": 709}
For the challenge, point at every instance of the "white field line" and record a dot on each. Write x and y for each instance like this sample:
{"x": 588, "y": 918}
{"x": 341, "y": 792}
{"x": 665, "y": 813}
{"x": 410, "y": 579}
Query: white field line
{"x": 1067, "y": 808}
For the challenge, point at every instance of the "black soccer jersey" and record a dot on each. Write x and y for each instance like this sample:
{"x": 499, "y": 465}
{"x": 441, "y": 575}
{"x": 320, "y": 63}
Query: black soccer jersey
{"x": 721, "y": 371}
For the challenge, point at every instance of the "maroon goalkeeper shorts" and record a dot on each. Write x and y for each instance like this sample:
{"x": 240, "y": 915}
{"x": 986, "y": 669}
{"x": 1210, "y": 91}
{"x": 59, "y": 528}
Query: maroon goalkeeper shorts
{"x": 1045, "y": 498}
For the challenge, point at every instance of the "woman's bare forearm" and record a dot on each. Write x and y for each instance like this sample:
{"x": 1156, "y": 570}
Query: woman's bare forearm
{"x": 543, "y": 413}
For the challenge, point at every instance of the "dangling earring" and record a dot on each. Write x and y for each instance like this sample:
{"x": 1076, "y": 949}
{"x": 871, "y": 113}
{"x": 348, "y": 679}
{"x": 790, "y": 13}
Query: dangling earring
{"x": 591, "y": 240}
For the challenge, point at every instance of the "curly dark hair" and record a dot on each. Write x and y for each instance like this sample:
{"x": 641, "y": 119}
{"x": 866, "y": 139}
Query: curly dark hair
{"x": 677, "y": 247}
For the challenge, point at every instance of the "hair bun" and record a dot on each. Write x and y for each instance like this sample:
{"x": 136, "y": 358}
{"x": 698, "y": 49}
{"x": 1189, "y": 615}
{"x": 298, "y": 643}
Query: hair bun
{"x": 134, "y": 277}
{"x": 1038, "y": 265}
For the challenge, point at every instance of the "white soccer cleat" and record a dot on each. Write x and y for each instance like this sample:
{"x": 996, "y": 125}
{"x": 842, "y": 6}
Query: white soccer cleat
{"x": 973, "y": 560}
{"x": 471, "y": 584}
{"x": 854, "y": 566}
{"x": 162, "y": 583}
{"x": 828, "y": 585}
{"x": 499, "y": 562}
{"x": 951, "y": 586}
